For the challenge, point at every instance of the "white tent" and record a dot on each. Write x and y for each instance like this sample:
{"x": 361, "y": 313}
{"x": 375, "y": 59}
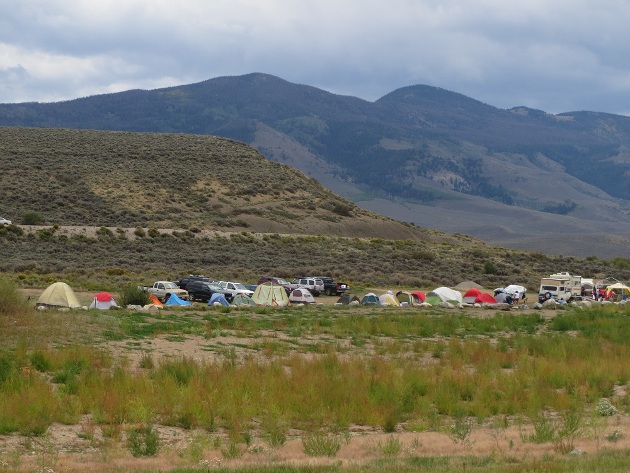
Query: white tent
{"x": 447, "y": 294}
{"x": 301, "y": 295}
{"x": 103, "y": 301}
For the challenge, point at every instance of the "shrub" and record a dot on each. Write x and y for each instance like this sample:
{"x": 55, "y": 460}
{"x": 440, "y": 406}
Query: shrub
{"x": 143, "y": 441}
{"x": 605, "y": 408}
{"x": 11, "y": 301}
{"x": 489, "y": 268}
{"x": 132, "y": 294}
{"x": 31, "y": 217}
{"x": 319, "y": 445}
{"x": 139, "y": 232}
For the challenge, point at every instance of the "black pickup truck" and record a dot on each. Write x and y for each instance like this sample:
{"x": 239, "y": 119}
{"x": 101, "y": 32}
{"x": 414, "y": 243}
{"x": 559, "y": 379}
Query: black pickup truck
{"x": 332, "y": 288}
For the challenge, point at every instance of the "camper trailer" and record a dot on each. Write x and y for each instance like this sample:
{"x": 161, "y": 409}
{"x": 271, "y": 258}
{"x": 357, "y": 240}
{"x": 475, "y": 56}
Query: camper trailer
{"x": 561, "y": 287}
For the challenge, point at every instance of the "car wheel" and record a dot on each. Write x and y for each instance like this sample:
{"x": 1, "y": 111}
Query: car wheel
{"x": 548, "y": 296}
{"x": 328, "y": 292}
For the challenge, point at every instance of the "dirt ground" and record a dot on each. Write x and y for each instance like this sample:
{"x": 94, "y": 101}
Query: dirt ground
{"x": 80, "y": 447}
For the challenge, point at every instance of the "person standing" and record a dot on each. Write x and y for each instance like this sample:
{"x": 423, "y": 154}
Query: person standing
{"x": 516, "y": 297}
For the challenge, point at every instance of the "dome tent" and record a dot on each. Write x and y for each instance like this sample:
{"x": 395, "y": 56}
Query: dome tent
{"x": 58, "y": 296}
{"x": 103, "y": 301}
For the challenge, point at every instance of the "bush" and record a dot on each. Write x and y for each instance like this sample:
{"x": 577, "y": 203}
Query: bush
{"x": 32, "y": 218}
{"x": 11, "y": 301}
{"x": 133, "y": 295}
{"x": 320, "y": 445}
{"x": 143, "y": 441}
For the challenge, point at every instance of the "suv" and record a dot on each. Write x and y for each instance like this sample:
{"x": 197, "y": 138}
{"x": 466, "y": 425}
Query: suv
{"x": 5, "y": 222}
{"x": 332, "y": 288}
{"x": 235, "y": 288}
{"x": 203, "y": 290}
{"x": 314, "y": 285}
{"x": 186, "y": 280}
{"x": 282, "y": 282}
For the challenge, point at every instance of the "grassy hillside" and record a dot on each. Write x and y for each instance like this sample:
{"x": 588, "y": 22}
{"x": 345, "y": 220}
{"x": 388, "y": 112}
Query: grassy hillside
{"x": 95, "y": 178}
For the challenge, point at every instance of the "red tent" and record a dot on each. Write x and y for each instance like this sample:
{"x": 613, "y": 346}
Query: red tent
{"x": 484, "y": 298}
{"x": 475, "y": 296}
{"x": 419, "y": 296}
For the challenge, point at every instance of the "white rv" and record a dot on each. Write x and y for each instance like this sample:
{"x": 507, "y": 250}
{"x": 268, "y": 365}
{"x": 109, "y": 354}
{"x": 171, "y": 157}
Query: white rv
{"x": 560, "y": 286}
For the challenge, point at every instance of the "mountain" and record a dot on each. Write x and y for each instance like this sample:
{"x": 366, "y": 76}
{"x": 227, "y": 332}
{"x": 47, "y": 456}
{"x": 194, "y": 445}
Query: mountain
{"x": 519, "y": 178}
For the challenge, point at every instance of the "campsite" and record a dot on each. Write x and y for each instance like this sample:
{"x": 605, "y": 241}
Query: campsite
{"x": 455, "y": 397}
{"x": 451, "y": 386}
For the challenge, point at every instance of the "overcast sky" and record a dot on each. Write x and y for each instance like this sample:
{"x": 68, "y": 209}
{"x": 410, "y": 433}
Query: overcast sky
{"x": 553, "y": 55}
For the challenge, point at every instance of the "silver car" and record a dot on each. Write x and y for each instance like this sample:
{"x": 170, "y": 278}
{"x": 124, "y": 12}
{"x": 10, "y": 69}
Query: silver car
{"x": 5, "y": 221}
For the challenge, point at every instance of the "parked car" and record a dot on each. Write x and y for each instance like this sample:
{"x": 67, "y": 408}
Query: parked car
{"x": 163, "y": 289}
{"x": 332, "y": 288}
{"x": 5, "y": 221}
{"x": 235, "y": 288}
{"x": 314, "y": 285}
{"x": 186, "y": 280}
{"x": 203, "y": 290}
{"x": 282, "y": 282}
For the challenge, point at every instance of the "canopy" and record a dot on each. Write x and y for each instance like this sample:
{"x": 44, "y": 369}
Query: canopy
{"x": 512, "y": 288}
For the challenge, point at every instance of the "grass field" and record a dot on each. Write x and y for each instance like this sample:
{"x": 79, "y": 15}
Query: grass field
{"x": 323, "y": 388}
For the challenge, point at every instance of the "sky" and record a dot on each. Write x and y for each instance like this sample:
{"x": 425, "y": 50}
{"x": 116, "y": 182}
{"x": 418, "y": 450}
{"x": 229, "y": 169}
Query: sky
{"x": 552, "y": 55}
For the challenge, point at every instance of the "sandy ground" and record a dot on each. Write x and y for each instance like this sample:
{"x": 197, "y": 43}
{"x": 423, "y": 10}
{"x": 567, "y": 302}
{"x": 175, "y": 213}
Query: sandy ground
{"x": 81, "y": 447}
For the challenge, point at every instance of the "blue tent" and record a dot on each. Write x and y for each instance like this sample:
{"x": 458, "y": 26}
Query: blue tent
{"x": 218, "y": 297}
{"x": 174, "y": 300}
{"x": 370, "y": 299}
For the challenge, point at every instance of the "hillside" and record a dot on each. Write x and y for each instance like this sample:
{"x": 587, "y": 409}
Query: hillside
{"x": 175, "y": 181}
{"x": 420, "y": 154}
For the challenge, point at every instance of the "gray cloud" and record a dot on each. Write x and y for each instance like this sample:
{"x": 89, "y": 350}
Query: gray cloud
{"x": 556, "y": 56}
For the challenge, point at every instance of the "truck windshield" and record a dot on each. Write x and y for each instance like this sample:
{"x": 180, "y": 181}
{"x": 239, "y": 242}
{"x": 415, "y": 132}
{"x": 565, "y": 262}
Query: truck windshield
{"x": 170, "y": 285}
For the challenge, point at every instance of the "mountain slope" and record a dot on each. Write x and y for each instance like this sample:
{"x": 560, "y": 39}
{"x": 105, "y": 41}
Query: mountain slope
{"x": 193, "y": 182}
{"x": 419, "y": 145}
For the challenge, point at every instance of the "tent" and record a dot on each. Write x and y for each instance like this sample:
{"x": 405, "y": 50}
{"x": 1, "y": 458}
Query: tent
{"x": 153, "y": 300}
{"x": 58, "y": 295}
{"x": 512, "y": 288}
{"x": 444, "y": 294}
{"x": 503, "y": 297}
{"x": 471, "y": 294}
{"x": 485, "y": 298}
{"x": 301, "y": 295}
{"x": 411, "y": 298}
{"x": 370, "y": 299}
{"x": 242, "y": 299}
{"x": 418, "y": 297}
{"x": 176, "y": 301}
{"x": 388, "y": 299}
{"x": 218, "y": 298}
{"x": 347, "y": 299}
{"x": 103, "y": 301}
{"x": 475, "y": 296}
{"x": 270, "y": 294}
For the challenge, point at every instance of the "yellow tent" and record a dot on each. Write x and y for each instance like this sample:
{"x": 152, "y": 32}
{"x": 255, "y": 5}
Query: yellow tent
{"x": 58, "y": 295}
{"x": 270, "y": 294}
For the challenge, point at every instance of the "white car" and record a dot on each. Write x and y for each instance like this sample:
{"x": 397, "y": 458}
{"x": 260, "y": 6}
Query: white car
{"x": 4, "y": 221}
{"x": 235, "y": 288}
